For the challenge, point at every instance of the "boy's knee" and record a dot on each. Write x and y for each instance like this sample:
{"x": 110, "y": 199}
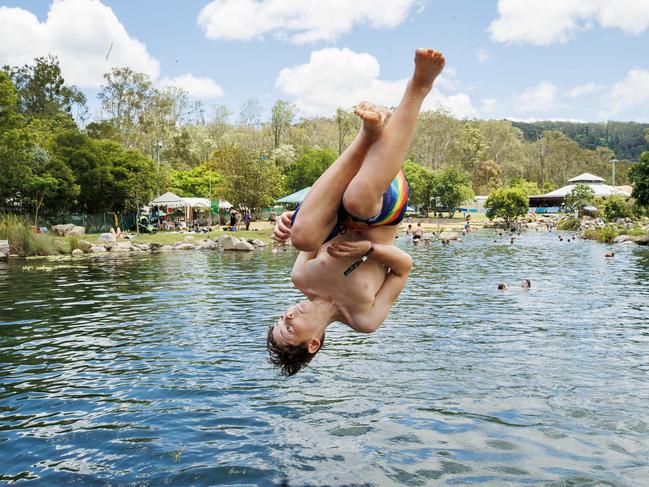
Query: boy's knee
{"x": 361, "y": 203}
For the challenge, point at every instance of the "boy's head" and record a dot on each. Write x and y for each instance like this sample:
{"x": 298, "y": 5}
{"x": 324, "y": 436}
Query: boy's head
{"x": 295, "y": 338}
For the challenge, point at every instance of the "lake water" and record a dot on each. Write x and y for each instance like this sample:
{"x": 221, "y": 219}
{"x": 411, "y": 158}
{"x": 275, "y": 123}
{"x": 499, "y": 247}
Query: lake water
{"x": 150, "y": 370}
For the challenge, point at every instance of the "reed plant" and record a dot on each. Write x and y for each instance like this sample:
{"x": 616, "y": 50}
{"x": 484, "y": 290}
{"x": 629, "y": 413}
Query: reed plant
{"x": 23, "y": 240}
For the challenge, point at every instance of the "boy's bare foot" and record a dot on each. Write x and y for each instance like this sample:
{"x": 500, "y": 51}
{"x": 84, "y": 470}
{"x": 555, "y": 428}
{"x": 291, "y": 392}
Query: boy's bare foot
{"x": 374, "y": 118}
{"x": 428, "y": 64}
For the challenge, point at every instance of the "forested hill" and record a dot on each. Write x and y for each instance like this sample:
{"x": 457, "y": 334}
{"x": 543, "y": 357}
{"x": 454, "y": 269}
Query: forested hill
{"x": 626, "y": 139}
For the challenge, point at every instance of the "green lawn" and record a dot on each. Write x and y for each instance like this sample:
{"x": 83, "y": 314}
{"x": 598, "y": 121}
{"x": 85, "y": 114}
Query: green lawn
{"x": 166, "y": 238}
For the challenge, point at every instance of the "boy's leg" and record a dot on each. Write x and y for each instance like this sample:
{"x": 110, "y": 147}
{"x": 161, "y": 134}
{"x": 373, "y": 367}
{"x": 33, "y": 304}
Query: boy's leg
{"x": 318, "y": 213}
{"x": 363, "y": 196}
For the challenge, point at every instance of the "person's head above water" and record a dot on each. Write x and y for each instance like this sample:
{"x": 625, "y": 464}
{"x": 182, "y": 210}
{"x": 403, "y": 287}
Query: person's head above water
{"x": 503, "y": 286}
{"x": 295, "y": 338}
{"x": 526, "y": 283}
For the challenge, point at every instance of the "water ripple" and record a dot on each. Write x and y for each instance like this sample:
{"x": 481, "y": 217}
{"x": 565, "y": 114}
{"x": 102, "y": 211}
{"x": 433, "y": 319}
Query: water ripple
{"x": 152, "y": 369}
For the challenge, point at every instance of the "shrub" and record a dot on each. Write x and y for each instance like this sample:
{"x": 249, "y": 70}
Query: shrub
{"x": 617, "y": 207}
{"x": 604, "y": 234}
{"x": 570, "y": 223}
{"x": 22, "y": 239}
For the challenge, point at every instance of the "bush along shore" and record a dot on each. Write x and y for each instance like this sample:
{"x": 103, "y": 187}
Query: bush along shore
{"x": 621, "y": 230}
{"x": 18, "y": 239}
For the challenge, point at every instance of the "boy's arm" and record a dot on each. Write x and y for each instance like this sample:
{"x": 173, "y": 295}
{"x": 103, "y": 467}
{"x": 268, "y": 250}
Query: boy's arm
{"x": 399, "y": 264}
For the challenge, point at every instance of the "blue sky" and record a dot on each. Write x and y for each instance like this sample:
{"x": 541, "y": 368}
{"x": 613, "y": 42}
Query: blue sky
{"x": 584, "y": 60}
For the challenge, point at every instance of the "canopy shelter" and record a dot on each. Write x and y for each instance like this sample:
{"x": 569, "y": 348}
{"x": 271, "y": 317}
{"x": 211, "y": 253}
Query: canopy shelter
{"x": 297, "y": 197}
{"x": 557, "y": 197}
{"x": 170, "y": 202}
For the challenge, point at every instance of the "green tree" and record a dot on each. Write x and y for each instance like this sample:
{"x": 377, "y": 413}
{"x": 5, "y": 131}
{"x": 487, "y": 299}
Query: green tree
{"x": 507, "y": 203}
{"x": 530, "y": 188}
{"x": 347, "y": 123}
{"x": 580, "y": 196}
{"x": 451, "y": 188}
{"x": 249, "y": 180}
{"x": 487, "y": 175}
{"x": 49, "y": 183}
{"x": 14, "y": 144}
{"x": 640, "y": 177}
{"x": 617, "y": 206}
{"x": 124, "y": 97}
{"x": 308, "y": 167}
{"x": 281, "y": 119}
{"x": 250, "y": 112}
{"x": 43, "y": 92}
{"x": 200, "y": 181}
{"x": 422, "y": 184}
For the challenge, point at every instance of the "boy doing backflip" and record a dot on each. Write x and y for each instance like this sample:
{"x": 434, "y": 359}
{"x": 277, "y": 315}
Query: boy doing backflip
{"x": 348, "y": 267}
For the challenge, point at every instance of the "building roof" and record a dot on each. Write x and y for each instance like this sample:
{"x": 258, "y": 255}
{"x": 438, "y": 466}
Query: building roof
{"x": 594, "y": 182}
{"x": 598, "y": 188}
{"x": 198, "y": 202}
{"x": 296, "y": 197}
{"x": 586, "y": 178}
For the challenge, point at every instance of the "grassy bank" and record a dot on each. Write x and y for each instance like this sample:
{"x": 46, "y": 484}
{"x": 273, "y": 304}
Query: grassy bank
{"x": 170, "y": 238}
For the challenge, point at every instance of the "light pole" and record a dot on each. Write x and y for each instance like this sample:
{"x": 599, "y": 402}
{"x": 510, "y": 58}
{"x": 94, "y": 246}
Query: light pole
{"x": 541, "y": 140}
{"x": 613, "y": 161}
{"x": 158, "y": 146}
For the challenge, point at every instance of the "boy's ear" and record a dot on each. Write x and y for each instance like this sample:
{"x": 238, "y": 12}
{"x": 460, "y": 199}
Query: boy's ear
{"x": 314, "y": 345}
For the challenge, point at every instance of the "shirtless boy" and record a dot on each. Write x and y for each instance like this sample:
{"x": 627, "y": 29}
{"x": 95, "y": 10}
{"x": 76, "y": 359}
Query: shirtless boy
{"x": 348, "y": 267}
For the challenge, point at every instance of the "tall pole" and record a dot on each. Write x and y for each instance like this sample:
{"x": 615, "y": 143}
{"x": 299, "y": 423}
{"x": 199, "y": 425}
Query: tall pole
{"x": 542, "y": 142}
{"x": 158, "y": 146}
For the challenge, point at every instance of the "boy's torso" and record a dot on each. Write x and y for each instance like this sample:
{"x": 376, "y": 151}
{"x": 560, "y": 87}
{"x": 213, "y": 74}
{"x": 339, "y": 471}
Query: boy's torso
{"x": 323, "y": 276}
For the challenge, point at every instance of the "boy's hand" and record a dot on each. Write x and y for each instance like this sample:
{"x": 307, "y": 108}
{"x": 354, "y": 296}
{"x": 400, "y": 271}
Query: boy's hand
{"x": 349, "y": 249}
{"x": 282, "y": 230}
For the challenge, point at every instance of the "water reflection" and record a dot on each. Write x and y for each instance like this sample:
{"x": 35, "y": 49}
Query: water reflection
{"x": 152, "y": 368}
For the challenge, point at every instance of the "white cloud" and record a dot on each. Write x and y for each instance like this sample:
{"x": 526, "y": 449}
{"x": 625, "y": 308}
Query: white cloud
{"x": 300, "y": 21}
{"x": 196, "y": 86}
{"x": 551, "y": 21}
{"x": 631, "y": 92}
{"x": 341, "y": 78}
{"x": 482, "y": 54}
{"x": 488, "y": 105}
{"x": 539, "y": 98}
{"x": 80, "y": 33}
{"x": 582, "y": 90}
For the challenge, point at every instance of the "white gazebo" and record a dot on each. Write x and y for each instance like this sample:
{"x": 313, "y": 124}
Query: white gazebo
{"x": 556, "y": 197}
{"x": 173, "y": 201}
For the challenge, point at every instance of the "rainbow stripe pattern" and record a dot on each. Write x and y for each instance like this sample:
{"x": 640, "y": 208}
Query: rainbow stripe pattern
{"x": 395, "y": 203}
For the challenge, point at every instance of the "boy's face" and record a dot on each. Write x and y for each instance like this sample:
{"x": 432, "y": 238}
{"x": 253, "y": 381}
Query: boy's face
{"x": 299, "y": 324}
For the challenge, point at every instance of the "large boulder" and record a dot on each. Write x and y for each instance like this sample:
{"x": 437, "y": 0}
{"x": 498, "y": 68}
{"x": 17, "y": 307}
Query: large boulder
{"x": 96, "y": 249}
{"x": 184, "y": 246}
{"x": 207, "y": 245}
{"x": 4, "y": 247}
{"x": 228, "y": 242}
{"x": 77, "y": 253}
{"x": 643, "y": 240}
{"x": 62, "y": 230}
{"x": 121, "y": 247}
{"x": 68, "y": 230}
{"x": 107, "y": 237}
{"x": 449, "y": 236}
{"x": 77, "y": 231}
{"x": 243, "y": 245}
{"x": 257, "y": 242}
{"x": 622, "y": 239}
{"x": 141, "y": 246}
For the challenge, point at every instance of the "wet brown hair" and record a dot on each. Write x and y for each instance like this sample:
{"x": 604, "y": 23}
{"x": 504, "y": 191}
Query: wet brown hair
{"x": 290, "y": 359}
